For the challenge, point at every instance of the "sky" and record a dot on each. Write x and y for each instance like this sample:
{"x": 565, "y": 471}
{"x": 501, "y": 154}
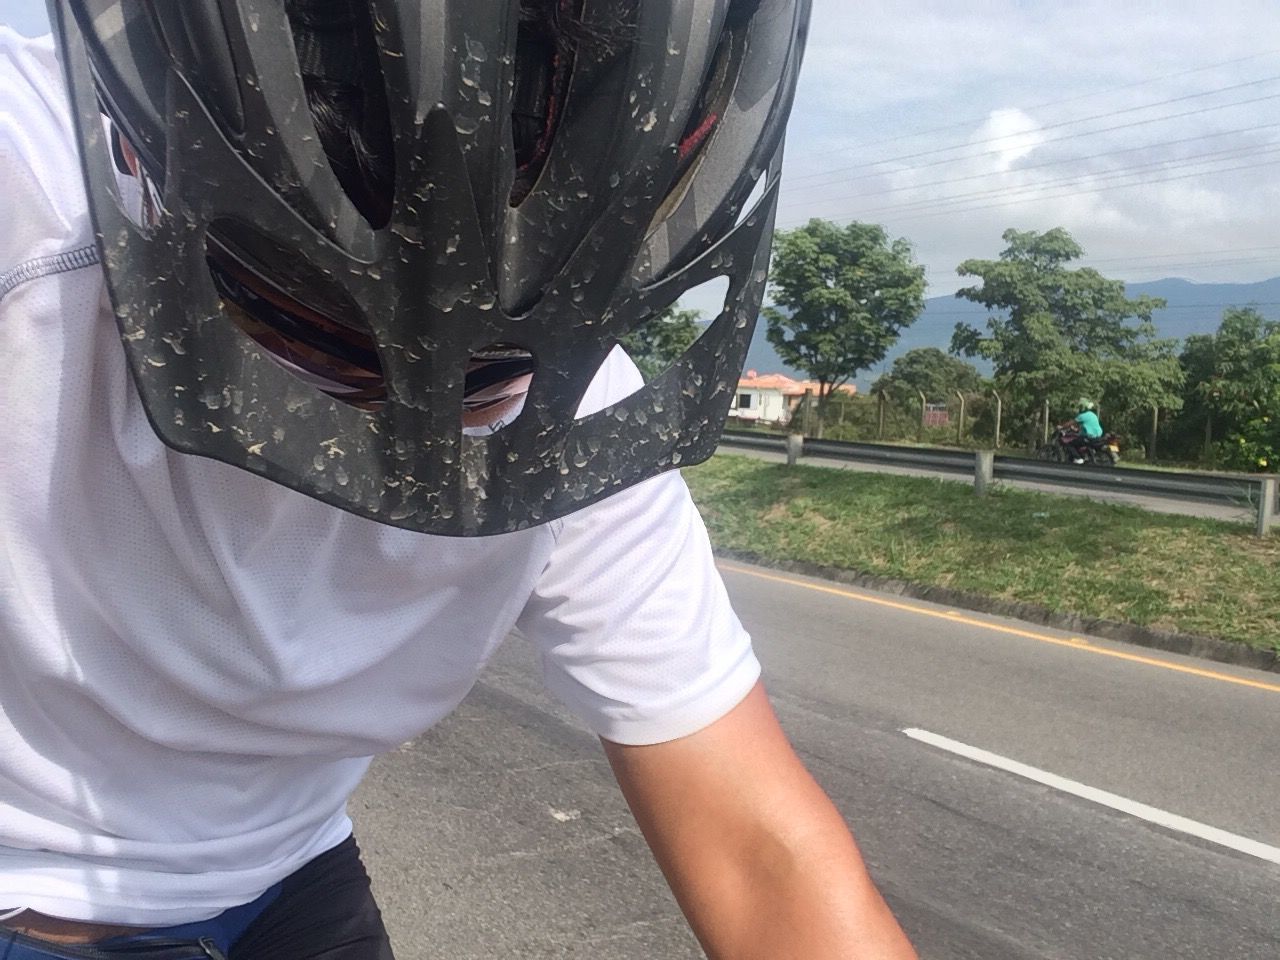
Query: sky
{"x": 1150, "y": 131}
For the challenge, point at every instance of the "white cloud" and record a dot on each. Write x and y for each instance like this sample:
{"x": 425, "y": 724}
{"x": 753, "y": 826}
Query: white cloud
{"x": 1011, "y": 133}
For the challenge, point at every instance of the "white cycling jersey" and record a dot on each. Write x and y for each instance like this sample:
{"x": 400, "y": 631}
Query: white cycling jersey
{"x": 197, "y": 664}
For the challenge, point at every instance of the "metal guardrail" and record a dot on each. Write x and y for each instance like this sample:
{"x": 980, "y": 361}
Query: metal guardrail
{"x": 1255, "y": 493}
{"x": 1206, "y": 488}
{"x": 924, "y": 458}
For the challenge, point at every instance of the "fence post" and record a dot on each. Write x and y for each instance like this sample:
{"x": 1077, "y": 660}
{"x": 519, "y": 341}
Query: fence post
{"x": 924, "y": 406}
{"x": 984, "y": 471}
{"x": 999, "y": 411}
{"x": 1267, "y": 505}
{"x": 1045, "y": 436}
{"x": 1151, "y": 441}
{"x": 795, "y": 446}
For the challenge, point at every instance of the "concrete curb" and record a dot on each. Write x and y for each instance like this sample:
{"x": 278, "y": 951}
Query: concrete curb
{"x": 1205, "y": 648}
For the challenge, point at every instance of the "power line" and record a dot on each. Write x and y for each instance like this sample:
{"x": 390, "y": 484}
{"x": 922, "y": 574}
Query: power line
{"x": 1173, "y": 260}
{"x": 1198, "y": 265}
{"x": 1082, "y": 96}
{"x": 1032, "y": 189}
{"x": 1039, "y": 166}
{"x": 990, "y": 206}
{"x": 1173, "y": 164}
{"x": 1061, "y": 123}
{"x": 1272, "y": 261}
{"x": 1189, "y": 253}
{"x": 932, "y": 313}
{"x": 1074, "y": 193}
{"x": 1071, "y": 136}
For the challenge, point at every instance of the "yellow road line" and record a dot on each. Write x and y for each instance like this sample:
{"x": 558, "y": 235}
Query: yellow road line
{"x": 1077, "y": 643}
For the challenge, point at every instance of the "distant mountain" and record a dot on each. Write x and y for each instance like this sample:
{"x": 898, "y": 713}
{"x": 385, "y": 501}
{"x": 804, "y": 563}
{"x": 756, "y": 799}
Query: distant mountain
{"x": 1197, "y": 307}
{"x": 1192, "y": 308}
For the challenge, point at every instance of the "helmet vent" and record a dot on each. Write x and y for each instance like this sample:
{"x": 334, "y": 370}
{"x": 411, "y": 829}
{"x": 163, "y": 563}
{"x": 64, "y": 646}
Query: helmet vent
{"x": 665, "y": 338}
{"x": 753, "y": 199}
{"x": 294, "y": 316}
{"x": 545, "y": 45}
{"x": 338, "y": 59}
{"x": 709, "y": 107}
{"x": 497, "y": 382}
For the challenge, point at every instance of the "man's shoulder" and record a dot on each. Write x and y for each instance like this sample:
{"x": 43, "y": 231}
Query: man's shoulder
{"x": 617, "y": 378}
{"x": 26, "y": 54}
{"x": 35, "y": 103}
{"x": 41, "y": 195}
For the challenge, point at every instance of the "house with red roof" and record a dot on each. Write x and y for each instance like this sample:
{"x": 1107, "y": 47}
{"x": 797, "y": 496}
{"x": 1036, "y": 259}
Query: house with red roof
{"x": 773, "y": 397}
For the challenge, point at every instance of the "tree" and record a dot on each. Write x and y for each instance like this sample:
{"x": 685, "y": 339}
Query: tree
{"x": 655, "y": 345}
{"x": 1059, "y": 334}
{"x": 1233, "y": 382}
{"x": 842, "y": 296}
{"x": 930, "y": 371}
{"x": 1191, "y": 433}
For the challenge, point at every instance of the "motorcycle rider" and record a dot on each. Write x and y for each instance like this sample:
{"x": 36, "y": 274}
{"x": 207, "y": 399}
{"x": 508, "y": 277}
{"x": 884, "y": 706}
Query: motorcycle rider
{"x": 1088, "y": 429}
{"x": 321, "y": 403}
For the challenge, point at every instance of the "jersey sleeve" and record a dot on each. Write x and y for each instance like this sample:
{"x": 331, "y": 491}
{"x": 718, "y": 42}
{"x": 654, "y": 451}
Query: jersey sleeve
{"x": 630, "y": 615}
{"x": 41, "y": 196}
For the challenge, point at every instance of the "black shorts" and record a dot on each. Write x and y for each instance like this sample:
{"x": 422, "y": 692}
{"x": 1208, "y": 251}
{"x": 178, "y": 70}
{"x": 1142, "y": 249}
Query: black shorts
{"x": 323, "y": 911}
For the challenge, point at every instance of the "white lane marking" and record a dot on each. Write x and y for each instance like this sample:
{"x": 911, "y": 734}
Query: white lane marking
{"x": 1153, "y": 814}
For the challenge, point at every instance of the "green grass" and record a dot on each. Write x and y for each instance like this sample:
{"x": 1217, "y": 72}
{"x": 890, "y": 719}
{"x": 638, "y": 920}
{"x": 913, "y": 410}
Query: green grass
{"x": 1068, "y": 554}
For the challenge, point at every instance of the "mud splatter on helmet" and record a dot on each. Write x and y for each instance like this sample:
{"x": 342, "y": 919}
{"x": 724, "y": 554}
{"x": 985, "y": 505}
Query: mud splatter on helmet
{"x": 557, "y": 173}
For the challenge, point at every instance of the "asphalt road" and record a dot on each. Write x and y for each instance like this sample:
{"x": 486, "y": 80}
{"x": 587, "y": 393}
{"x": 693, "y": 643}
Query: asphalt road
{"x": 1243, "y": 513}
{"x": 500, "y": 833}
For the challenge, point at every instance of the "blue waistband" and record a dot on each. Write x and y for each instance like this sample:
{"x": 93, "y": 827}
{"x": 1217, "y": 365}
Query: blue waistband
{"x": 224, "y": 929}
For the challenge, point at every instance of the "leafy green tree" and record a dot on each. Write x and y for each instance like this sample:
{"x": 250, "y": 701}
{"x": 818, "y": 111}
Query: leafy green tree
{"x": 1058, "y": 333}
{"x": 1192, "y": 431}
{"x": 842, "y": 296}
{"x": 655, "y": 345}
{"x": 1233, "y": 381}
{"x": 930, "y": 370}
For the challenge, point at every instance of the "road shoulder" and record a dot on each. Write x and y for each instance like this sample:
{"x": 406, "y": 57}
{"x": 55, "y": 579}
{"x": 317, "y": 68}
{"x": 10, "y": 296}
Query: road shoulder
{"x": 1205, "y": 648}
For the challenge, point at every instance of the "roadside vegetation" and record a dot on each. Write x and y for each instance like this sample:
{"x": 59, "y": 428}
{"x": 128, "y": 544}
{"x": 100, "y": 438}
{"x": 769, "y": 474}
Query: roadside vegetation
{"x": 1055, "y": 333}
{"x": 1067, "y": 554}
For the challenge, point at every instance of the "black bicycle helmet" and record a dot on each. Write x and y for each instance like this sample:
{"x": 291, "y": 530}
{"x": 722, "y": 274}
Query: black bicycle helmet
{"x": 533, "y": 179}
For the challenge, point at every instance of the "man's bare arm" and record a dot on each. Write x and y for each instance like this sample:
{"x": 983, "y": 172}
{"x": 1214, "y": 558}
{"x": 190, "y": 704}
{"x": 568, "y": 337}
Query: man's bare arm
{"x": 757, "y": 855}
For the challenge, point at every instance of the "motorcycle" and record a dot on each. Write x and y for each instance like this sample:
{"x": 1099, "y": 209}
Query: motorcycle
{"x": 1064, "y": 447}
